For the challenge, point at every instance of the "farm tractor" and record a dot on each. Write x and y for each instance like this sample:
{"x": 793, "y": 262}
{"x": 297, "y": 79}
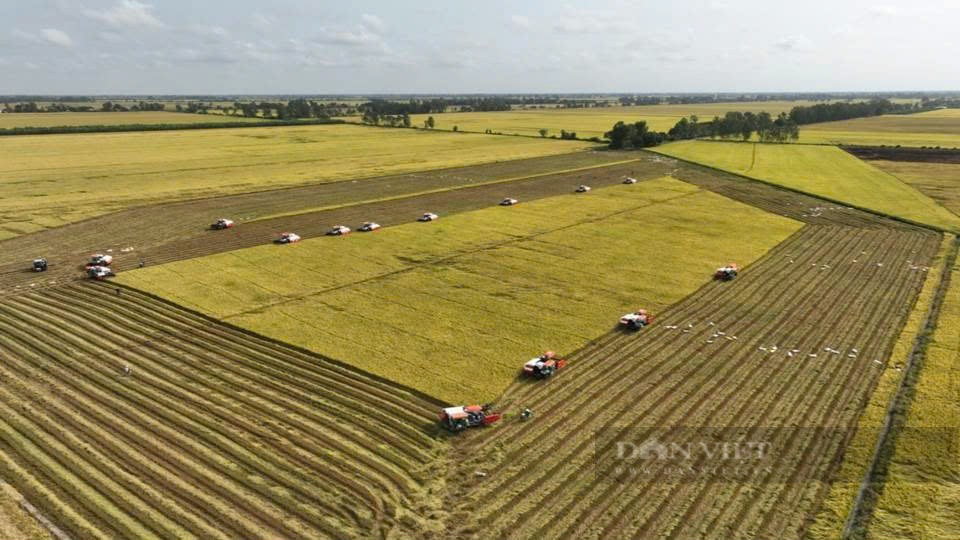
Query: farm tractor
{"x": 40, "y": 265}
{"x": 726, "y": 273}
{"x": 582, "y": 188}
{"x": 467, "y": 416}
{"x": 636, "y": 320}
{"x": 544, "y": 365}
{"x": 428, "y": 216}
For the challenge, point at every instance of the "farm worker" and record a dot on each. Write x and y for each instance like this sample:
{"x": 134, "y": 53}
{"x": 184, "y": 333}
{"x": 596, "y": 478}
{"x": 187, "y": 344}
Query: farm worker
{"x": 526, "y": 413}
{"x": 142, "y": 263}
{"x": 118, "y": 291}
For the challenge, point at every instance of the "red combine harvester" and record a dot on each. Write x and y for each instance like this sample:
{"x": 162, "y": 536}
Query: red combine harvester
{"x": 636, "y": 320}
{"x": 726, "y": 273}
{"x": 467, "y": 416}
{"x": 544, "y": 365}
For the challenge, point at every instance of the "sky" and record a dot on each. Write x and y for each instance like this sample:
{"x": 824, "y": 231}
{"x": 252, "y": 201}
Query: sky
{"x": 492, "y": 46}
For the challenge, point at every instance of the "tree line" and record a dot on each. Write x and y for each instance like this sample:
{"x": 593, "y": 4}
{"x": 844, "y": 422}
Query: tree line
{"x": 107, "y": 106}
{"x": 732, "y": 125}
{"x": 841, "y": 110}
{"x": 153, "y": 127}
{"x": 738, "y": 125}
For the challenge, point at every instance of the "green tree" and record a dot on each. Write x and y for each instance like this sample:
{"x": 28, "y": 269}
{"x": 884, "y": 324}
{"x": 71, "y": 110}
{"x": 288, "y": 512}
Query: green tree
{"x": 429, "y": 122}
{"x": 542, "y": 132}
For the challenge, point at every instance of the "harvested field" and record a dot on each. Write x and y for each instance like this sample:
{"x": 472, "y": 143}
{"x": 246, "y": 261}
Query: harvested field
{"x": 221, "y": 434}
{"x": 179, "y": 231}
{"x": 897, "y": 153}
{"x": 804, "y": 296}
{"x": 821, "y": 170}
{"x": 475, "y": 281}
{"x": 214, "y": 433}
{"x": 51, "y": 180}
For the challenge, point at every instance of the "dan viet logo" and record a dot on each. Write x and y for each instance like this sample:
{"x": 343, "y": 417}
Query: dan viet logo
{"x": 712, "y": 450}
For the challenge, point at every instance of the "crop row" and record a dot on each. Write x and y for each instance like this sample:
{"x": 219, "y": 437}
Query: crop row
{"x": 807, "y": 295}
{"x": 213, "y": 434}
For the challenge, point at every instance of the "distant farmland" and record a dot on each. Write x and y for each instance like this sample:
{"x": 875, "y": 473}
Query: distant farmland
{"x": 591, "y": 122}
{"x": 15, "y": 120}
{"x": 933, "y": 128}
{"x": 49, "y": 180}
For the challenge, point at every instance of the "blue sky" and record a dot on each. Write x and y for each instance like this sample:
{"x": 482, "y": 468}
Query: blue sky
{"x": 300, "y": 46}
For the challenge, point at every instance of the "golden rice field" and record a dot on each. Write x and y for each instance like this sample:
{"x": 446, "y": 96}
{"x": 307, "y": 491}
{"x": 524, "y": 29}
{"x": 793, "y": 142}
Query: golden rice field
{"x": 933, "y": 128}
{"x": 921, "y": 494}
{"x": 941, "y": 181}
{"x": 454, "y": 308}
{"x": 592, "y": 122}
{"x": 50, "y": 180}
{"x": 15, "y": 120}
{"x": 838, "y": 503}
{"x": 820, "y": 170}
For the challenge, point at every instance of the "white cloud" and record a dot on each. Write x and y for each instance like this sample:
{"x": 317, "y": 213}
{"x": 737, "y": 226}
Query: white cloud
{"x": 46, "y": 36}
{"x": 591, "y": 21}
{"x": 883, "y": 10}
{"x": 792, "y": 43}
{"x": 373, "y": 23}
{"x": 57, "y": 37}
{"x": 520, "y": 21}
{"x": 127, "y": 13}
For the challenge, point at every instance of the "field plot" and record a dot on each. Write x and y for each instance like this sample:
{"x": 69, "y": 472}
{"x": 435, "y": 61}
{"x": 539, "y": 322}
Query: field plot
{"x": 177, "y": 231}
{"x": 858, "y": 457}
{"x": 934, "y": 128}
{"x": 820, "y": 170}
{"x": 750, "y": 354}
{"x": 50, "y": 180}
{"x": 475, "y": 281}
{"x": 940, "y": 181}
{"x": 15, "y": 120}
{"x": 213, "y": 434}
{"x": 921, "y": 496}
{"x": 592, "y": 122}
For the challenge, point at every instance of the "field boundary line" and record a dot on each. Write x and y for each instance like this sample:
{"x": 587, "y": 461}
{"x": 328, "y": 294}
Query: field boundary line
{"x": 871, "y": 486}
{"x": 769, "y": 183}
{"x": 211, "y": 321}
{"x": 34, "y": 512}
{"x": 441, "y": 190}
